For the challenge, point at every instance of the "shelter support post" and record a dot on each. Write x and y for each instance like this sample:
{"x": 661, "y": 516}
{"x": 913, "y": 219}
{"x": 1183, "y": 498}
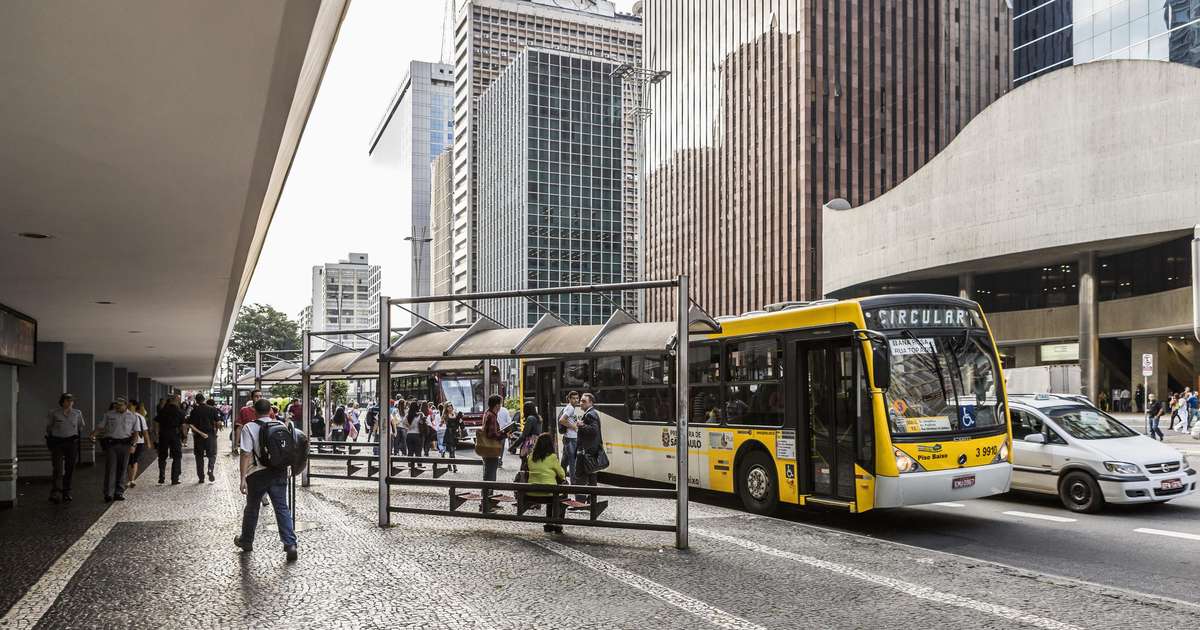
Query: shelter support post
{"x": 258, "y": 369}
{"x": 384, "y": 394}
{"x": 305, "y": 394}
{"x": 681, "y": 414}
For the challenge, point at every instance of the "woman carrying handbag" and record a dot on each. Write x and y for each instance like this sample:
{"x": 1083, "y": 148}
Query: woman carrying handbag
{"x": 489, "y": 445}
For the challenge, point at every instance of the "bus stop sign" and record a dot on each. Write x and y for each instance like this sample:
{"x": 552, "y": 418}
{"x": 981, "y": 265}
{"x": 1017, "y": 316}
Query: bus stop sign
{"x": 1147, "y": 364}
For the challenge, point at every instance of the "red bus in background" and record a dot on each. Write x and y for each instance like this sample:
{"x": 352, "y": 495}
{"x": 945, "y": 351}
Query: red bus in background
{"x": 463, "y": 389}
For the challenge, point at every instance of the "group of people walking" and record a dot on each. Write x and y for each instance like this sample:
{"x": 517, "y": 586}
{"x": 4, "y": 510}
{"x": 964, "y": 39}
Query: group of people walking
{"x": 1181, "y": 410}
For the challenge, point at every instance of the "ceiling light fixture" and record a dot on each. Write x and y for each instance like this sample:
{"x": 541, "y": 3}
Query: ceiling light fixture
{"x": 106, "y": 302}
{"x": 134, "y": 332}
{"x": 37, "y": 236}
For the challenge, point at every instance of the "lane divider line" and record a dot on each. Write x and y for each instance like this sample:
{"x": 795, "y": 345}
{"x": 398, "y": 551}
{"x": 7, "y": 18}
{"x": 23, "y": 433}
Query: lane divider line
{"x": 1041, "y": 517}
{"x": 709, "y": 613}
{"x": 948, "y": 504}
{"x": 1166, "y": 532}
{"x": 908, "y": 588}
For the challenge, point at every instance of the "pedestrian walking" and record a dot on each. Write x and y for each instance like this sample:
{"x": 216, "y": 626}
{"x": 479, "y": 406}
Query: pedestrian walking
{"x": 568, "y": 423}
{"x": 1139, "y": 397}
{"x": 544, "y": 468}
{"x": 489, "y": 445}
{"x": 396, "y": 419}
{"x": 454, "y": 429}
{"x": 1193, "y": 407}
{"x": 203, "y": 425}
{"x": 64, "y": 427}
{"x": 1155, "y": 411}
{"x": 531, "y": 432}
{"x": 590, "y": 457}
{"x": 262, "y": 475}
{"x": 337, "y": 426}
{"x": 1177, "y": 411}
{"x": 141, "y": 441}
{"x": 170, "y": 423}
{"x": 117, "y": 429}
{"x": 317, "y": 427}
{"x": 414, "y": 436}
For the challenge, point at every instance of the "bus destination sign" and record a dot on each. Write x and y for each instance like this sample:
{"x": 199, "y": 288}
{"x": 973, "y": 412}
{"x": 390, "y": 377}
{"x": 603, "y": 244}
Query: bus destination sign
{"x": 923, "y": 316}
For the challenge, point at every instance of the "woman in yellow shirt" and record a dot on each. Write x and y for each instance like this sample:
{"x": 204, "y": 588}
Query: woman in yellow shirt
{"x": 544, "y": 468}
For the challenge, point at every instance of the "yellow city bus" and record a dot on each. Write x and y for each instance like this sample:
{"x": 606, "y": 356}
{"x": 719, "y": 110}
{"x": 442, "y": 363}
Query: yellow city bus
{"x": 868, "y": 403}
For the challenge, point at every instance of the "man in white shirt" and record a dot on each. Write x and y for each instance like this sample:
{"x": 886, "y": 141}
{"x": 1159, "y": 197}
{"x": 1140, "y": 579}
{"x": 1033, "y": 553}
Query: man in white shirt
{"x": 569, "y": 424}
{"x": 64, "y": 427}
{"x": 258, "y": 481}
{"x": 117, "y": 427}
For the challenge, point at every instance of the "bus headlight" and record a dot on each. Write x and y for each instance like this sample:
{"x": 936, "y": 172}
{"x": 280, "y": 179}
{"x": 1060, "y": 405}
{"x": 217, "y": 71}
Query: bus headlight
{"x": 904, "y": 463}
{"x": 1001, "y": 453}
{"x": 1122, "y": 468}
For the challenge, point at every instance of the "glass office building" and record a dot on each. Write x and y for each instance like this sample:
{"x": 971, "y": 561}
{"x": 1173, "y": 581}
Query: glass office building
{"x": 1050, "y": 34}
{"x": 550, "y": 185}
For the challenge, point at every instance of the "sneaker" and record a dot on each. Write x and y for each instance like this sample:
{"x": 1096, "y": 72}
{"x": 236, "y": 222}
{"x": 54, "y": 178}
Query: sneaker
{"x": 67, "y": 497}
{"x": 211, "y": 478}
{"x": 118, "y": 497}
{"x": 107, "y": 499}
{"x": 161, "y": 481}
{"x": 200, "y": 480}
{"x": 291, "y": 553}
{"x": 246, "y": 548}
{"x": 131, "y": 484}
{"x": 174, "y": 482}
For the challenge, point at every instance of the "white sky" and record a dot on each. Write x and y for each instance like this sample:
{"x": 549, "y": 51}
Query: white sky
{"x": 336, "y": 200}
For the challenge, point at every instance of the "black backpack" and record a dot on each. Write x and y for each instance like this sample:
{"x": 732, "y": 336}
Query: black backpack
{"x": 281, "y": 447}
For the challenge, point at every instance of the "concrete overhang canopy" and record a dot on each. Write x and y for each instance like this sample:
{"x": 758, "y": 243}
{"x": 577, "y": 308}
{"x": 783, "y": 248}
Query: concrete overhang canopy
{"x": 151, "y": 141}
{"x": 1095, "y": 157}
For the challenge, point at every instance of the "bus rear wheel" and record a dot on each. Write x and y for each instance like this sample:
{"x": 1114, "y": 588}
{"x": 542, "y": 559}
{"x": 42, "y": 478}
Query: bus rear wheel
{"x": 758, "y": 485}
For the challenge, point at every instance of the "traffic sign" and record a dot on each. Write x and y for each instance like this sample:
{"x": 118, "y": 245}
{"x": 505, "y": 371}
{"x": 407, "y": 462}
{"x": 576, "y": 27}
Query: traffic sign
{"x": 1147, "y": 364}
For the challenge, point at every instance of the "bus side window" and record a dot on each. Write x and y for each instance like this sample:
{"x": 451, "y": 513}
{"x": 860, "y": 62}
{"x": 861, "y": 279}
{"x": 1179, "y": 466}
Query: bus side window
{"x": 704, "y": 384}
{"x": 610, "y": 386}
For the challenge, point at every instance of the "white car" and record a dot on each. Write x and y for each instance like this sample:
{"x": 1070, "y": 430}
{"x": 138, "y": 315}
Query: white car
{"x": 1088, "y": 458}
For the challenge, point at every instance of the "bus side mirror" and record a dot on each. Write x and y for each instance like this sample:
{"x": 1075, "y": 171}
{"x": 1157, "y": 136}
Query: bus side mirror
{"x": 881, "y": 364}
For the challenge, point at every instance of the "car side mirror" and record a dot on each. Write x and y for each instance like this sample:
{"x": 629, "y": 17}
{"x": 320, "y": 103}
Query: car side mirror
{"x": 881, "y": 357}
{"x": 1035, "y": 438}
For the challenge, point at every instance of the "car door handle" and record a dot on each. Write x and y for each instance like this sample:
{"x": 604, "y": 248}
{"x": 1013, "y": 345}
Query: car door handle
{"x": 670, "y": 457}
{"x": 628, "y": 452}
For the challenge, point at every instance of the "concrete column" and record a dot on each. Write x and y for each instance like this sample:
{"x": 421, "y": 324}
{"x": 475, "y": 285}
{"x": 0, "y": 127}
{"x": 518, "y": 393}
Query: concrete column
{"x": 8, "y": 436}
{"x": 40, "y": 386}
{"x": 966, "y": 285}
{"x": 146, "y": 393}
{"x": 81, "y": 381}
{"x": 120, "y": 383}
{"x": 1026, "y": 355}
{"x": 131, "y": 389}
{"x": 105, "y": 394}
{"x": 1089, "y": 326}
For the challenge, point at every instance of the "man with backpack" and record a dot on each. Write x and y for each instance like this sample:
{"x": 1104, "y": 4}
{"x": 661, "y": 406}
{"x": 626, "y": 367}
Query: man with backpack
{"x": 269, "y": 448}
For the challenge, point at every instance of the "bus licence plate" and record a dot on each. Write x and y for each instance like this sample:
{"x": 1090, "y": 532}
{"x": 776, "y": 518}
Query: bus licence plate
{"x": 1171, "y": 484}
{"x": 962, "y": 482}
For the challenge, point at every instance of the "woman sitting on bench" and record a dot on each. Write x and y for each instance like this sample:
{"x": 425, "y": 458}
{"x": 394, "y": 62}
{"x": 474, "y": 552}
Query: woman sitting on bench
{"x": 544, "y": 468}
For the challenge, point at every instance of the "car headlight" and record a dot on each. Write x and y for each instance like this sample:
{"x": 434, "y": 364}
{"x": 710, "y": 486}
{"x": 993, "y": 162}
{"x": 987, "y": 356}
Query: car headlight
{"x": 1001, "y": 453}
{"x": 1183, "y": 459}
{"x": 1122, "y": 468}
{"x": 904, "y": 463}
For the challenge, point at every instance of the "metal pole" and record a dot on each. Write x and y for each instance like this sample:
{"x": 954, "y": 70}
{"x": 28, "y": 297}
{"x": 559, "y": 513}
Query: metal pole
{"x": 487, "y": 382}
{"x": 1196, "y": 283}
{"x": 385, "y": 427}
{"x": 681, "y": 415}
{"x": 305, "y": 393}
{"x": 258, "y": 369}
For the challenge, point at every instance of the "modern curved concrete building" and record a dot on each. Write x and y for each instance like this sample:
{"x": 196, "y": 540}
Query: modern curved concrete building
{"x": 1080, "y": 187}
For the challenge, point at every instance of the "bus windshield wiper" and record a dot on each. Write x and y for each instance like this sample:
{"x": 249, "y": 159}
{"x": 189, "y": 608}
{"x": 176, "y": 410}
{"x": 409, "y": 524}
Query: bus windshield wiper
{"x": 932, "y": 359}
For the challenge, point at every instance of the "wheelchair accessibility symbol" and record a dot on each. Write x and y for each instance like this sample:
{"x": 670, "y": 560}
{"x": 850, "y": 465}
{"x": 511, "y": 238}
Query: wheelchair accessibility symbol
{"x": 967, "y": 417}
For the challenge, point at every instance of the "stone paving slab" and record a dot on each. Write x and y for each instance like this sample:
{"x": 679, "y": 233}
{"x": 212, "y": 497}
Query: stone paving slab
{"x": 165, "y": 559}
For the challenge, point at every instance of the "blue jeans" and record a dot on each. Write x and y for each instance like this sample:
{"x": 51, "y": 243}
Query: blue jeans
{"x": 1154, "y": 428}
{"x": 568, "y": 455}
{"x": 274, "y": 485}
{"x": 490, "y": 466}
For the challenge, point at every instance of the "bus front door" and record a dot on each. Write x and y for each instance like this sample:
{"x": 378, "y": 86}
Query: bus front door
{"x": 827, "y": 424}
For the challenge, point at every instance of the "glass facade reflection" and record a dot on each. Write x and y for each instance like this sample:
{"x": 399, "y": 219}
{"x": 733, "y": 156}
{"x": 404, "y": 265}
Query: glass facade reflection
{"x": 774, "y": 107}
{"x": 1059, "y": 33}
{"x": 550, "y": 190}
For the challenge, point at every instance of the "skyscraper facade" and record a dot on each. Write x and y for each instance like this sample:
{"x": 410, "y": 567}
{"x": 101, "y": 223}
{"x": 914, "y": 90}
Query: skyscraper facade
{"x": 1051, "y": 34}
{"x": 550, "y": 185}
{"x": 416, "y": 127}
{"x": 487, "y": 36}
{"x": 345, "y": 296}
{"x": 442, "y": 248}
{"x": 774, "y": 107}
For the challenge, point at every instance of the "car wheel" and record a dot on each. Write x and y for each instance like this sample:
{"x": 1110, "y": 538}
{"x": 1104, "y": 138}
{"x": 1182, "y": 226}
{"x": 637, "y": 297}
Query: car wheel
{"x": 758, "y": 485}
{"x": 1079, "y": 492}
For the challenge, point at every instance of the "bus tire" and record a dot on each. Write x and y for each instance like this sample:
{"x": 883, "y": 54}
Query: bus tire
{"x": 758, "y": 484}
{"x": 1080, "y": 493}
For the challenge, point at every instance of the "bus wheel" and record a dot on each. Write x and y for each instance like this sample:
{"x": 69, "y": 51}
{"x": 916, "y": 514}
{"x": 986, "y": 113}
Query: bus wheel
{"x": 758, "y": 486}
{"x": 1080, "y": 493}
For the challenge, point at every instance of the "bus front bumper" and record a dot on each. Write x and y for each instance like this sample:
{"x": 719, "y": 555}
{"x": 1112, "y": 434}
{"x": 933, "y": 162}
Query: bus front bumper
{"x": 934, "y": 486}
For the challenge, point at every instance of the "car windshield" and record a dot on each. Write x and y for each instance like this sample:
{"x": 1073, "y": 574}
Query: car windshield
{"x": 1085, "y": 423}
{"x": 462, "y": 393}
{"x": 943, "y": 384}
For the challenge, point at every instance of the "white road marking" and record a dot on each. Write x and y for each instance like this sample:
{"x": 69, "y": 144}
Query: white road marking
{"x": 948, "y": 504}
{"x": 1166, "y": 532}
{"x": 908, "y": 588}
{"x": 1042, "y": 517}
{"x": 711, "y": 614}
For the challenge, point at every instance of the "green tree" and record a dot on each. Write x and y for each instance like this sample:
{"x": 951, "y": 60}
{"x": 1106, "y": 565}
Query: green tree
{"x": 285, "y": 391}
{"x": 340, "y": 392}
{"x": 260, "y": 327}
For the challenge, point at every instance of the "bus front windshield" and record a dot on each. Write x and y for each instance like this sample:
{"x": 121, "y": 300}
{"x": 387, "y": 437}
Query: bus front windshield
{"x": 943, "y": 384}
{"x": 464, "y": 393}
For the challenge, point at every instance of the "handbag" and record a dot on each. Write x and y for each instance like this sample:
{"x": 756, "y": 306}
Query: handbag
{"x": 487, "y": 447}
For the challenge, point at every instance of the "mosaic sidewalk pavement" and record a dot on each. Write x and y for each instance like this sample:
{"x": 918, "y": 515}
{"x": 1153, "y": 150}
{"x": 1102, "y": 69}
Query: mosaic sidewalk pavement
{"x": 165, "y": 559}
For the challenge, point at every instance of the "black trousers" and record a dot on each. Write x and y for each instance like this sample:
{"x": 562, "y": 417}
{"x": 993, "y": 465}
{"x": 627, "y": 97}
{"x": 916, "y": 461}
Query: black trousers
{"x": 116, "y": 466}
{"x": 205, "y": 447}
{"x": 170, "y": 445}
{"x": 63, "y": 457}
